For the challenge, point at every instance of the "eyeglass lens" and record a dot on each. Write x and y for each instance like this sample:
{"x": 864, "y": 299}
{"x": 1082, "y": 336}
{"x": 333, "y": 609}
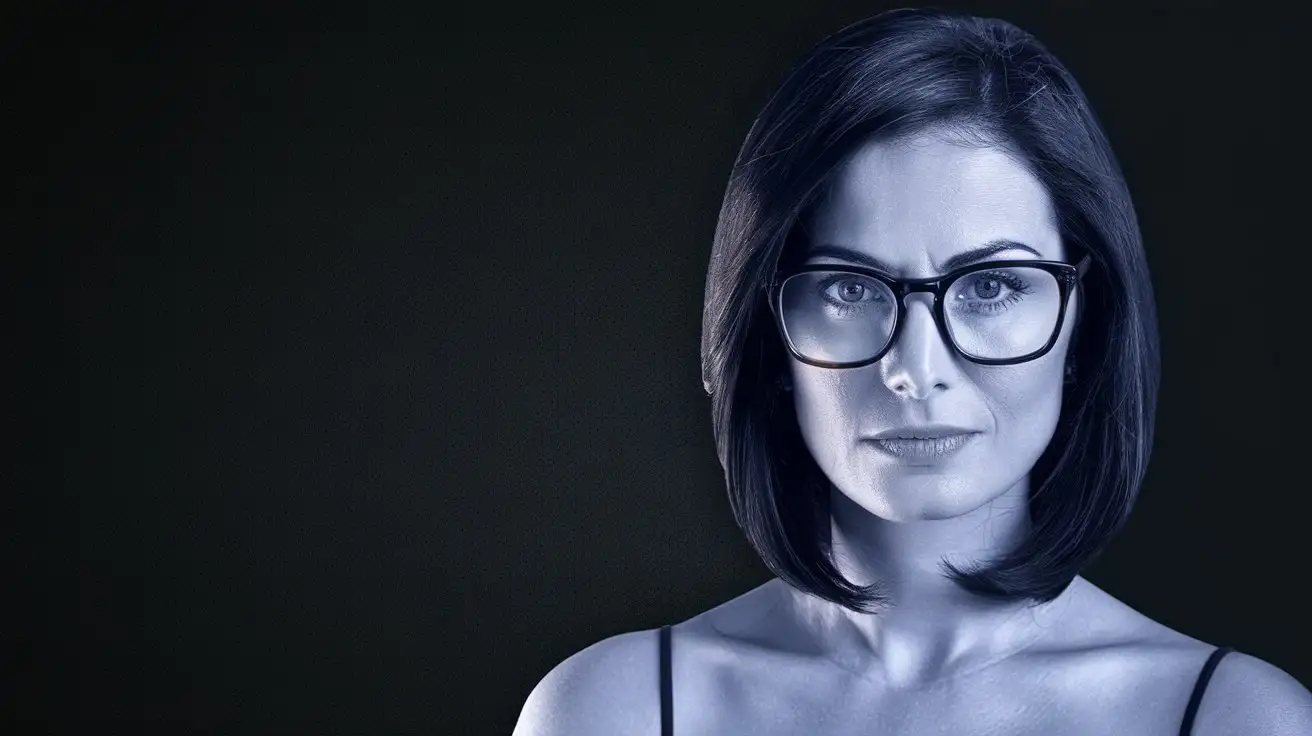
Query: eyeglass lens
{"x": 843, "y": 317}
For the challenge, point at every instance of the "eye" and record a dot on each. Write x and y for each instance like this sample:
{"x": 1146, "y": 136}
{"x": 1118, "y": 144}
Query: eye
{"x": 994, "y": 291}
{"x": 990, "y": 285}
{"x": 841, "y": 289}
{"x": 987, "y": 288}
{"x": 850, "y": 290}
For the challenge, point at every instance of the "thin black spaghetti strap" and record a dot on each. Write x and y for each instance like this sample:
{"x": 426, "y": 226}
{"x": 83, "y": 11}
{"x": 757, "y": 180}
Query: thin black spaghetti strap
{"x": 667, "y": 685}
{"x": 1191, "y": 711}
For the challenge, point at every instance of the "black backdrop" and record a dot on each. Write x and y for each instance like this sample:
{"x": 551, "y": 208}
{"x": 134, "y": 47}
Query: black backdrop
{"x": 374, "y": 389}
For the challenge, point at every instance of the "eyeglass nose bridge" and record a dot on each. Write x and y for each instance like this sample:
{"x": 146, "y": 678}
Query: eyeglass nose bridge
{"x": 904, "y": 289}
{"x": 933, "y": 287}
{"x": 930, "y": 286}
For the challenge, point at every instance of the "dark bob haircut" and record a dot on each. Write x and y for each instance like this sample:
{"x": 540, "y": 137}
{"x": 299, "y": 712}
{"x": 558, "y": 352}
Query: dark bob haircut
{"x": 890, "y": 76}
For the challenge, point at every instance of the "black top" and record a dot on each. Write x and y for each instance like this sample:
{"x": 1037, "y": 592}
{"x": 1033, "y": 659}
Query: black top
{"x": 1197, "y": 697}
{"x": 667, "y": 687}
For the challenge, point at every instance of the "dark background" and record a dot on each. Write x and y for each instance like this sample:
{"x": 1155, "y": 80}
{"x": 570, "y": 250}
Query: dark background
{"x": 372, "y": 390}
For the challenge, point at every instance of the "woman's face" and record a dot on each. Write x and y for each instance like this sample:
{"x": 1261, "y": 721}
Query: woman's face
{"x": 911, "y": 205}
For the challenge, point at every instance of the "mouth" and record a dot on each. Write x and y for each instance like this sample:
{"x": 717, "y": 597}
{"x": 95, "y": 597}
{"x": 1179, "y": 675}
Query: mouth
{"x": 926, "y": 443}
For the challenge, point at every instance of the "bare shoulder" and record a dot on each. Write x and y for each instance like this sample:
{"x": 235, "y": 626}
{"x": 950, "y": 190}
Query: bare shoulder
{"x": 613, "y": 686}
{"x": 1247, "y": 695}
{"x": 609, "y": 687}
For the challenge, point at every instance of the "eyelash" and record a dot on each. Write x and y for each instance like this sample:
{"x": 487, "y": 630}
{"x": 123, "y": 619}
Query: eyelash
{"x": 1016, "y": 288}
{"x": 844, "y": 308}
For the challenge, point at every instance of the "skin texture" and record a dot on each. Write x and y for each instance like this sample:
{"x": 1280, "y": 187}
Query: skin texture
{"x": 937, "y": 661}
{"x": 912, "y": 204}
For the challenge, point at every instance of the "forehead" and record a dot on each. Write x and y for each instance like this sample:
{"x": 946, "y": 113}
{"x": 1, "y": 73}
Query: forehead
{"x": 913, "y": 203}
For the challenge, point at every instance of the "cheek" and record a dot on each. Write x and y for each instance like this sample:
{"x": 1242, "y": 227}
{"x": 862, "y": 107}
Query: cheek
{"x": 827, "y": 403}
{"x": 816, "y": 402}
{"x": 1026, "y": 399}
{"x": 1026, "y": 402}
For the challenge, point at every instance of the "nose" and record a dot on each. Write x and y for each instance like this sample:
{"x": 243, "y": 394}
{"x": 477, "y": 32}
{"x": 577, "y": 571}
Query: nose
{"x": 920, "y": 362}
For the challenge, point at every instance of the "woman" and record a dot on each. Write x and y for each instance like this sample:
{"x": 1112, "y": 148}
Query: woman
{"x": 930, "y": 344}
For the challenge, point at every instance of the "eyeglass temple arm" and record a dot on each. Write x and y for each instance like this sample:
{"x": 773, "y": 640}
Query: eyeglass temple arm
{"x": 1083, "y": 266}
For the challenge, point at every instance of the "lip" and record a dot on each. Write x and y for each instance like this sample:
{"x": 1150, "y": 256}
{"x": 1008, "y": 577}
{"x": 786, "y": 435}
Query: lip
{"x": 923, "y": 432}
{"x": 923, "y": 443}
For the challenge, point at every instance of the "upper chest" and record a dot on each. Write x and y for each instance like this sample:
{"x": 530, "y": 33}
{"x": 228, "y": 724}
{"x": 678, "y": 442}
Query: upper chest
{"x": 1125, "y": 690}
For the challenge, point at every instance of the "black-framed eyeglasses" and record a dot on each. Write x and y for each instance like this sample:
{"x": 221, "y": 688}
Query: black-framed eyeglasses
{"x": 992, "y": 313}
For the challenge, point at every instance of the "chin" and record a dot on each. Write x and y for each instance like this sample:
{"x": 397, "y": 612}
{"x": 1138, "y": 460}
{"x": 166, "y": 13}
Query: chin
{"x": 915, "y": 494}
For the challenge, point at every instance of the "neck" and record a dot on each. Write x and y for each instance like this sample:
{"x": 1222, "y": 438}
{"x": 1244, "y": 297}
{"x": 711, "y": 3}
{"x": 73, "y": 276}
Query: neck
{"x": 931, "y": 628}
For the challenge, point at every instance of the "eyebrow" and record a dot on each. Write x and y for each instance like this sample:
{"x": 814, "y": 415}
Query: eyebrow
{"x": 965, "y": 258}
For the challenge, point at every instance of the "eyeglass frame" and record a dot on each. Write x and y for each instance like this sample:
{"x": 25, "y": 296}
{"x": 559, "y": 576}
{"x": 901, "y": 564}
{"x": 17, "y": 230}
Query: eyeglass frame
{"x": 1068, "y": 278}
